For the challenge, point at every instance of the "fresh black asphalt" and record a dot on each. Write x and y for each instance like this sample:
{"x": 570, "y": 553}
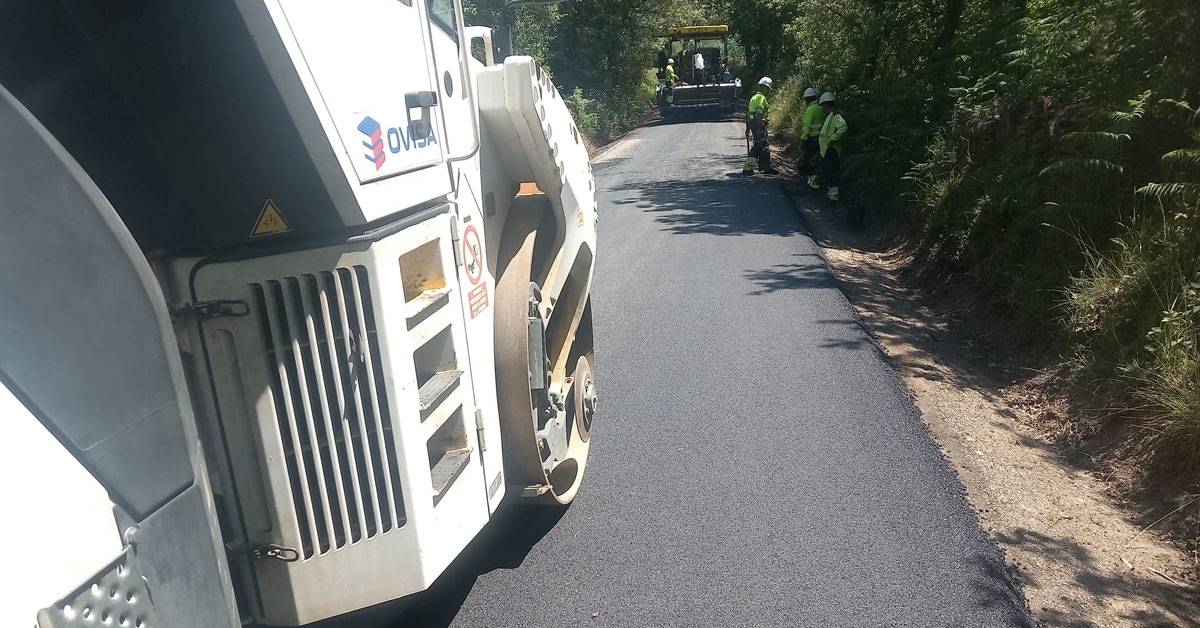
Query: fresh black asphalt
{"x": 757, "y": 461}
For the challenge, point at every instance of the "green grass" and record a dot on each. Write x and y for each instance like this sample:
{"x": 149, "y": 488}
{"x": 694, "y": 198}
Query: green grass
{"x": 1135, "y": 314}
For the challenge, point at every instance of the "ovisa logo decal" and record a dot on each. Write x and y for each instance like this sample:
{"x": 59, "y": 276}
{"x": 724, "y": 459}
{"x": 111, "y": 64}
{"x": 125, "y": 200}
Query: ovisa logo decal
{"x": 372, "y": 129}
{"x": 398, "y": 139}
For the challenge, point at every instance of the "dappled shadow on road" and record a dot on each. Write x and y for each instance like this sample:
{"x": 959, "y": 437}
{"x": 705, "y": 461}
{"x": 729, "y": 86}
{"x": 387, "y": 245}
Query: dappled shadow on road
{"x": 503, "y": 544}
{"x": 931, "y": 345}
{"x": 938, "y": 332}
{"x": 812, "y": 273}
{"x": 851, "y": 335}
{"x": 1176, "y": 604}
{"x": 732, "y": 207}
{"x": 737, "y": 205}
{"x": 745, "y": 206}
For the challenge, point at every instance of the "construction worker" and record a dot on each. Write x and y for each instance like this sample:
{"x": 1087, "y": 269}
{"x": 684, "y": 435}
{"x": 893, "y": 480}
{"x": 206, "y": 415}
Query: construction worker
{"x": 670, "y": 79}
{"x": 756, "y": 127}
{"x": 810, "y": 130}
{"x": 832, "y": 131}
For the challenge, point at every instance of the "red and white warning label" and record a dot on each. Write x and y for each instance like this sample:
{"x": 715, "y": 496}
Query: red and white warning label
{"x": 479, "y": 299}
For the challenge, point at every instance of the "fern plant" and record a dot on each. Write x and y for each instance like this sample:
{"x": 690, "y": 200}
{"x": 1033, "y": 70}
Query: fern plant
{"x": 1180, "y": 193}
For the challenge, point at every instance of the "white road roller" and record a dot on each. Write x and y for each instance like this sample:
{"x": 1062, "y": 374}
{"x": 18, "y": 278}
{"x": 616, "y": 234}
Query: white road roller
{"x": 294, "y": 294}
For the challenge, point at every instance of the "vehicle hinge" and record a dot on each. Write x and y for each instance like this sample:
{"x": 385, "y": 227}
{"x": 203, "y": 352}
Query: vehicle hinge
{"x": 536, "y": 490}
{"x": 479, "y": 429}
{"x": 270, "y": 550}
{"x": 209, "y": 309}
{"x": 456, "y": 241}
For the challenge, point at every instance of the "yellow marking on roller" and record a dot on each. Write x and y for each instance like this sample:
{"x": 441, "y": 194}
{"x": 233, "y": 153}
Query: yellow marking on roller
{"x": 529, "y": 188}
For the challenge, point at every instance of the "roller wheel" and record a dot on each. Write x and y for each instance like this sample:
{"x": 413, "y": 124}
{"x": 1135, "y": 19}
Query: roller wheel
{"x": 546, "y": 441}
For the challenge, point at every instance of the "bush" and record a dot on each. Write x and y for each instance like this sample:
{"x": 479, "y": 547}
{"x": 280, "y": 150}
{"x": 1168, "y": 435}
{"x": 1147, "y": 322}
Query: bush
{"x": 1134, "y": 309}
{"x": 610, "y": 112}
{"x": 583, "y": 109}
{"x": 621, "y": 109}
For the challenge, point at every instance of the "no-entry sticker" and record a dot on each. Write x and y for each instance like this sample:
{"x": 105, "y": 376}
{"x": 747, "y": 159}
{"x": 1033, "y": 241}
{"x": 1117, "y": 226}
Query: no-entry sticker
{"x": 472, "y": 254}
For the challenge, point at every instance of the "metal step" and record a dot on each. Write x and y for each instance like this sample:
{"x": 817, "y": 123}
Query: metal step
{"x": 435, "y": 389}
{"x": 433, "y": 321}
{"x": 447, "y": 470}
{"x": 425, "y": 304}
{"x": 434, "y": 419}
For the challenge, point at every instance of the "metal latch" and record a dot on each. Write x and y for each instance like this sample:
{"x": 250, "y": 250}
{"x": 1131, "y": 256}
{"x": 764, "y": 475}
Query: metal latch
{"x": 421, "y": 127}
{"x": 536, "y": 490}
{"x": 286, "y": 554}
{"x": 269, "y": 550}
{"x": 209, "y": 309}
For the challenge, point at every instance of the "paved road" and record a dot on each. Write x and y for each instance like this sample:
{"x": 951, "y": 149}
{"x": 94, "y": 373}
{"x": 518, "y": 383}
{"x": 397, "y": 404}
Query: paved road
{"x": 756, "y": 461}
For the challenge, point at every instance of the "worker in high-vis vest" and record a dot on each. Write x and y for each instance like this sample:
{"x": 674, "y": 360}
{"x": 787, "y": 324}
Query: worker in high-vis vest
{"x": 757, "y": 118}
{"x": 671, "y": 79}
{"x": 832, "y": 132}
{"x": 810, "y": 130}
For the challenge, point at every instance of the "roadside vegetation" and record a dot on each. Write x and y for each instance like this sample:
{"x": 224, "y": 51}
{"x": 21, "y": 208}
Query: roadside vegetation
{"x": 1047, "y": 149}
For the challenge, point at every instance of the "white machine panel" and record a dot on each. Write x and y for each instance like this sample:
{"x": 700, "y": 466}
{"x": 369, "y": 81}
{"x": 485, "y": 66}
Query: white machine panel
{"x": 349, "y": 71}
{"x": 352, "y": 371}
{"x": 364, "y": 73}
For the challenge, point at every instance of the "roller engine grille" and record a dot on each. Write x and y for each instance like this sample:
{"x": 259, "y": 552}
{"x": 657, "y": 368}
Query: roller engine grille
{"x": 319, "y": 337}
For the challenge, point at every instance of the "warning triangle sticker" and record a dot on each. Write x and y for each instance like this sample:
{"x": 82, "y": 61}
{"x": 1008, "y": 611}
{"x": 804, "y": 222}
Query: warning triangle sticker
{"x": 270, "y": 221}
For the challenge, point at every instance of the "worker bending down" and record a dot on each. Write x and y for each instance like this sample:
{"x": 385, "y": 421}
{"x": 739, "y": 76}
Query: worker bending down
{"x": 810, "y": 130}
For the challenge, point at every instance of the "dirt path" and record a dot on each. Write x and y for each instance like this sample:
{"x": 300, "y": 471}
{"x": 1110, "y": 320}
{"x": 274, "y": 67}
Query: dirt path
{"x": 1082, "y": 560}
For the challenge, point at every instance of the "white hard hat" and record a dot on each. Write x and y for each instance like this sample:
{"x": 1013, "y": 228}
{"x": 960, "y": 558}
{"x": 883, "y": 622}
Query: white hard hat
{"x": 828, "y": 97}
{"x": 766, "y": 80}
{"x": 670, "y": 62}
{"x": 810, "y": 93}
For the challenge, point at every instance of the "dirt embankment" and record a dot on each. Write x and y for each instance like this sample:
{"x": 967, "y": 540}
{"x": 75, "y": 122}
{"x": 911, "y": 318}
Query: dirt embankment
{"x": 1064, "y": 516}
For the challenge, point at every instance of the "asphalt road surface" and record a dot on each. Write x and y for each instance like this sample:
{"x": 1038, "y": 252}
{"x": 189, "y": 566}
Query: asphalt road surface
{"x": 756, "y": 461}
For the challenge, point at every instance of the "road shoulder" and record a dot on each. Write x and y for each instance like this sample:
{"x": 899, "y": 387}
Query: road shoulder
{"x": 1081, "y": 557}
